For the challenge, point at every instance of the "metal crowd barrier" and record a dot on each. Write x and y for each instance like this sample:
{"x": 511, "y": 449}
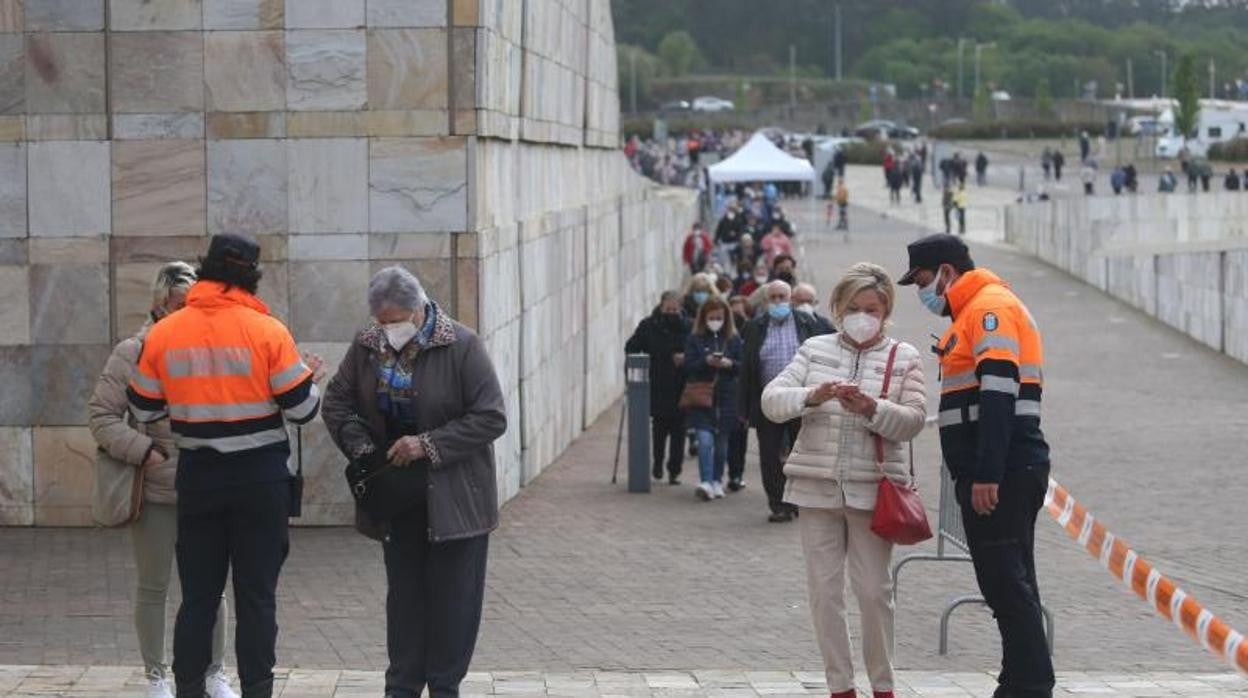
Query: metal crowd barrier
{"x": 951, "y": 534}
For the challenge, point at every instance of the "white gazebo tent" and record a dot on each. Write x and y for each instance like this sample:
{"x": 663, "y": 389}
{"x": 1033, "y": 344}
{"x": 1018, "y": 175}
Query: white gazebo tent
{"x": 759, "y": 160}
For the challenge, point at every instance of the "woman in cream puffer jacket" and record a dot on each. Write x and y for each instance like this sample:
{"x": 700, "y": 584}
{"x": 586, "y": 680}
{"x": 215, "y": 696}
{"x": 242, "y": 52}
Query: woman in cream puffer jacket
{"x": 833, "y": 384}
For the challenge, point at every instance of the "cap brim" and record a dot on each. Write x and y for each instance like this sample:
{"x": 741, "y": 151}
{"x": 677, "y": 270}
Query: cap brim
{"x": 907, "y": 279}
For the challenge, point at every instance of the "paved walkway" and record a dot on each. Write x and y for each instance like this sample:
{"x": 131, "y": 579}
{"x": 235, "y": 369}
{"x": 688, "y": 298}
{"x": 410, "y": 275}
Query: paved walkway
{"x": 314, "y": 683}
{"x": 1147, "y": 429}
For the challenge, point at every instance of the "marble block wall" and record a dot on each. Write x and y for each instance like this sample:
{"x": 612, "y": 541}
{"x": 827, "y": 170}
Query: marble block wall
{"x": 473, "y": 141}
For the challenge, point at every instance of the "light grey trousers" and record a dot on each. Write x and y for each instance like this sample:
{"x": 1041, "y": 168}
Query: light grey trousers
{"x": 833, "y": 541}
{"x": 154, "y": 536}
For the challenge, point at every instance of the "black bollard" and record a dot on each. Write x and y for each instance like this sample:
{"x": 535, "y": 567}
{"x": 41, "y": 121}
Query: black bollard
{"x": 637, "y": 376}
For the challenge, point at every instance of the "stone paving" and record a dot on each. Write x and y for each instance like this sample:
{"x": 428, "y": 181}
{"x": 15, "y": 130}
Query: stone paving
{"x": 313, "y": 683}
{"x": 1147, "y": 431}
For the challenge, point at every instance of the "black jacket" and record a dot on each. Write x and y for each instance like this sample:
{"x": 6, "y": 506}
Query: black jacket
{"x": 750, "y": 382}
{"x": 660, "y": 341}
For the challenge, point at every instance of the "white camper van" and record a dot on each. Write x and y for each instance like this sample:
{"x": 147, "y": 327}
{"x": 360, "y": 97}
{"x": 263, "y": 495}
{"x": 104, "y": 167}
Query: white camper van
{"x": 1216, "y": 123}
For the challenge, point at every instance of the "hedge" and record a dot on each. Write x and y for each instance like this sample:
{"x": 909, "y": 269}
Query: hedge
{"x": 1015, "y": 128}
{"x": 1235, "y": 150}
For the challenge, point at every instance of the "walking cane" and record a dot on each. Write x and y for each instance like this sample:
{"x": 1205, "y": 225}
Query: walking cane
{"x": 619, "y": 440}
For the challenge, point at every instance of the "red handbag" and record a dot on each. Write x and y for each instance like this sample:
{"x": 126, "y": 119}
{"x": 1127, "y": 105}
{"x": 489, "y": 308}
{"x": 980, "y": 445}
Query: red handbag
{"x": 899, "y": 514}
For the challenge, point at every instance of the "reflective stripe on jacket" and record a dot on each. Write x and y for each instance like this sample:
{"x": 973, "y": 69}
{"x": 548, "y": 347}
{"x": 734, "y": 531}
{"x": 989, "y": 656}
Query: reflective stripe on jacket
{"x": 991, "y": 380}
{"x": 226, "y": 373}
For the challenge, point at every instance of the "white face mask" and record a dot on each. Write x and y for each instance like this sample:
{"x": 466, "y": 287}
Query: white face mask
{"x": 861, "y": 327}
{"x": 805, "y": 308}
{"x": 398, "y": 334}
{"x": 715, "y": 325}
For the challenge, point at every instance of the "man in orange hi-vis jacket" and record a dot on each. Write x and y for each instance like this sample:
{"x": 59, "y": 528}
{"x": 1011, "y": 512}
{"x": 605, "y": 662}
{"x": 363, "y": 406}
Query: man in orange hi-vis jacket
{"x": 229, "y": 377}
{"x": 991, "y": 366}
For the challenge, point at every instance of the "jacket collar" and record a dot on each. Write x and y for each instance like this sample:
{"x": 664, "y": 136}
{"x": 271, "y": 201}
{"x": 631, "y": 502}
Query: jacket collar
{"x": 968, "y": 286}
{"x": 213, "y": 295}
{"x": 441, "y": 334}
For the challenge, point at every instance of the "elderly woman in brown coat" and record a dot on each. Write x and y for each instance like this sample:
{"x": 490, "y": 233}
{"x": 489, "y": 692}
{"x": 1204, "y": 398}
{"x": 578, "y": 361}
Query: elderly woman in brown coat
{"x": 150, "y": 447}
{"x": 417, "y": 390}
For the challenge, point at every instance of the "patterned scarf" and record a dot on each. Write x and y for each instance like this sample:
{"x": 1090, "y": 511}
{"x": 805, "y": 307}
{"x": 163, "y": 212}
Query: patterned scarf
{"x": 395, "y": 390}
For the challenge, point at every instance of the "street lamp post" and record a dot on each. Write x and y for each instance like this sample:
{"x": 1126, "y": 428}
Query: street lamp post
{"x": 1162, "y": 53}
{"x": 978, "y": 48}
{"x": 961, "y": 43}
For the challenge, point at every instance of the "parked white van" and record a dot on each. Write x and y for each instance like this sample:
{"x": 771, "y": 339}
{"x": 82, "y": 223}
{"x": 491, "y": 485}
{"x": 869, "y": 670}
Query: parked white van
{"x": 1215, "y": 124}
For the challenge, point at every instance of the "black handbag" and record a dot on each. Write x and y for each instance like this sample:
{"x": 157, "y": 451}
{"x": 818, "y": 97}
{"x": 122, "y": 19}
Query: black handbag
{"x": 383, "y": 490}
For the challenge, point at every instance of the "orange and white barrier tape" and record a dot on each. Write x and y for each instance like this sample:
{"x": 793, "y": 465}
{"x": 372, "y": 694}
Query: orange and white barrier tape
{"x": 1139, "y": 576}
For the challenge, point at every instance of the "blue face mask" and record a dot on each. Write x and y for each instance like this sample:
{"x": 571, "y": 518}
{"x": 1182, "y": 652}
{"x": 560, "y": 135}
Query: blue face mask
{"x": 779, "y": 311}
{"x": 700, "y": 297}
{"x": 933, "y": 301}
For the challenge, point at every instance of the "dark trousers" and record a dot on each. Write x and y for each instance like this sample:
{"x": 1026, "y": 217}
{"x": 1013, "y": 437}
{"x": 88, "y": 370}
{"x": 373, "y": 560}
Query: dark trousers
{"x": 1003, "y": 549}
{"x": 774, "y": 443}
{"x": 736, "y": 451}
{"x": 239, "y": 529}
{"x": 667, "y": 439}
{"x": 433, "y": 608}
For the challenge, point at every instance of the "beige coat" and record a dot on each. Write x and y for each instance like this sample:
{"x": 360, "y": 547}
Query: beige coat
{"x": 833, "y": 464}
{"x": 117, "y": 433}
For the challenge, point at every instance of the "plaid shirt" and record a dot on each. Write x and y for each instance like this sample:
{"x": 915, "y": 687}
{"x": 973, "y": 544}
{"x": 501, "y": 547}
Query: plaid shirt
{"x": 778, "y": 348}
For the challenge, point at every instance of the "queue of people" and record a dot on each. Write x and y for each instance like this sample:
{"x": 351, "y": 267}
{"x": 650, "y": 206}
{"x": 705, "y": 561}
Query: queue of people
{"x": 834, "y": 401}
{"x": 199, "y": 401}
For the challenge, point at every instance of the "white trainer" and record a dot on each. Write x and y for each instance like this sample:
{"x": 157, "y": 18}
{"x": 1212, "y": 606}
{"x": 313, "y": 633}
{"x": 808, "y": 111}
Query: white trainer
{"x": 217, "y": 684}
{"x": 705, "y": 492}
{"x": 717, "y": 488}
{"x": 158, "y": 687}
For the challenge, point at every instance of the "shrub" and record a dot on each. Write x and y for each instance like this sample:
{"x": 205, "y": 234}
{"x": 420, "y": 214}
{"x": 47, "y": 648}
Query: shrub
{"x": 871, "y": 153}
{"x": 1235, "y": 150}
{"x": 1015, "y": 128}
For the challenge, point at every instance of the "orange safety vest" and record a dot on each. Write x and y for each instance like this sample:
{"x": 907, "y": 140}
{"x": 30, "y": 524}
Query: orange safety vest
{"x": 225, "y": 372}
{"x": 991, "y": 380}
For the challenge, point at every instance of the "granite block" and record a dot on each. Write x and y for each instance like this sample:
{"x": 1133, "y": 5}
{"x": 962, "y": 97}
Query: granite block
{"x": 436, "y": 275}
{"x": 15, "y": 408}
{"x": 12, "y": 17}
{"x": 69, "y": 250}
{"x": 64, "y": 15}
{"x": 467, "y": 285}
{"x": 326, "y": 124}
{"x": 324, "y": 14}
{"x": 12, "y": 74}
{"x": 15, "y": 310}
{"x": 246, "y": 125}
{"x": 243, "y": 14}
{"x": 64, "y": 73}
{"x": 156, "y": 72}
{"x": 12, "y": 190}
{"x": 332, "y": 246}
{"x": 145, "y": 15}
{"x": 464, "y": 79}
{"x": 154, "y": 250}
{"x": 406, "y": 13}
{"x": 326, "y": 69}
{"x": 466, "y": 13}
{"x": 69, "y": 188}
{"x": 329, "y": 300}
{"x": 67, "y": 127}
{"x": 273, "y": 248}
{"x": 17, "y": 477}
{"x": 132, "y": 296}
{"x": 69, "y": 304}
{"x": 12, "y": 129}
{"x": 402, "y": 124}
{"x": 418, "y": 185}
{"x": 245, "y": 71}
{"x": 64, "y": 466}
{"x": 247, "y": 186}
{"x": 407, "y": 69}
{"x": 409, "y": 246}
{"x": 158, "y": 188}
{"x": 14, "y": 251}
{"x": 185, "y": 125}
{"x": 274, "y": 289}
{"x": 63, "y": 377}
{"x": 328, "y": 185}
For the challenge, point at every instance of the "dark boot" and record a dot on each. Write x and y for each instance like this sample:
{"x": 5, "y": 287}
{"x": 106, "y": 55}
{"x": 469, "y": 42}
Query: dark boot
{"x": 262, "y": 689}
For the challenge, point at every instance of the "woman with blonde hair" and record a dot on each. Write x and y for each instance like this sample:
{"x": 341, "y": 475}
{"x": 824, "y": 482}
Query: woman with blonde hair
{"x": 150, "y": 447}
{"x": 853, "y": 434}
{"x": 699, "y": 289}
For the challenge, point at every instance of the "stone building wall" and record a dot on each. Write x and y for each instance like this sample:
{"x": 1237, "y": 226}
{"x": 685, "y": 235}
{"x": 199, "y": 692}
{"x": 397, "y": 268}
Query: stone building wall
{"x": 469, "y": 140}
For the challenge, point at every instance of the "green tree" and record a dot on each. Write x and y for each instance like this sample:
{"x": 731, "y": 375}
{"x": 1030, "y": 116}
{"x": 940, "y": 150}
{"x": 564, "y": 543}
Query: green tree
{"x": 1044, "y": 97}
{"x": 648, "y": 69}
{"x": 1187, "y": 92}
{"x": 679, "y": 53}
{"x": 981, "y": 107}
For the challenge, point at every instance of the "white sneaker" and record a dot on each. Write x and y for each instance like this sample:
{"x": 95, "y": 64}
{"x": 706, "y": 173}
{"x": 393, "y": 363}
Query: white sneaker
{"x": 705, "y": 492}
{"x": 717, "y": 489}
{"x": 158, "y": 687}
{"x": 217, "y": 684}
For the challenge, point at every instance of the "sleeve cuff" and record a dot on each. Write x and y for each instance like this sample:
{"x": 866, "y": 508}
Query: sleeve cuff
{"x": 431, "y": 451}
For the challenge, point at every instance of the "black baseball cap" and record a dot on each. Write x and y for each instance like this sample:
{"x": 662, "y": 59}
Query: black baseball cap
{"x": 235, "y": 248}
{"x": 934, "y": 250}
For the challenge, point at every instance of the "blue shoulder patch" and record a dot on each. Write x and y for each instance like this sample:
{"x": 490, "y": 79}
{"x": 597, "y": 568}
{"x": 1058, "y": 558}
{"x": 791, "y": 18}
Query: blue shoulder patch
{"x": 990, "y": 322}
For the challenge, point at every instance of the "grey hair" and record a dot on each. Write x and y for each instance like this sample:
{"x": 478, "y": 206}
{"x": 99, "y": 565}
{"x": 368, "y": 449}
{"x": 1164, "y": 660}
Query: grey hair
{"x": 395, "y": 287}
{"x": 174, "y": 276}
